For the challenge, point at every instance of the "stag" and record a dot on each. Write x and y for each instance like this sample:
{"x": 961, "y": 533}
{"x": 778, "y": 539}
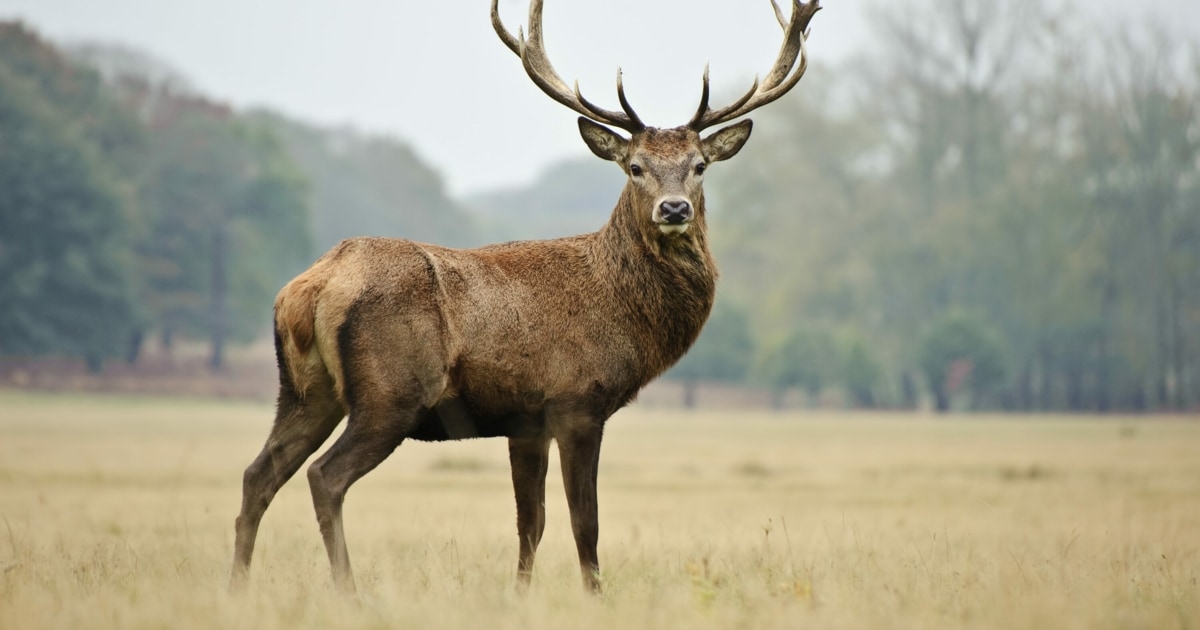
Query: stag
{"x": 534, "y": 341}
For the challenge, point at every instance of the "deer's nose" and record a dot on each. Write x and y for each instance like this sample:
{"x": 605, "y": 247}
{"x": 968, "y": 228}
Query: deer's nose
{"x": 675, "y": 212}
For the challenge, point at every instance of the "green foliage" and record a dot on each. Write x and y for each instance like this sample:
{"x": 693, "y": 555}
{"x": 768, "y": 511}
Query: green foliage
{"x": 721, "y": 353}
{"x": 807, "y": 358}
{"x": 571, "y": 197}
{"x": 124, "y": 187}
{"x": 723, "y": 350}
{"x": 859, "y": 371}
{"x": 228, "y": 222}
{"x": 126, "y": 205}
{"x": 64, "y": 220}
{"x": 942, "y": 176}
{"x": 1060, "y": 198}
{"x": 961, "y": 354}
{"x": 363, "y": 185}
{"x": 80, "y": 100}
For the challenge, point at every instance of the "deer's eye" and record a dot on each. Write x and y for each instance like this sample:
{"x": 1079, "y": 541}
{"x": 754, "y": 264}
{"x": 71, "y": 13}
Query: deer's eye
{"x": 635, "y": 170}
{"x": 700, "y": 168}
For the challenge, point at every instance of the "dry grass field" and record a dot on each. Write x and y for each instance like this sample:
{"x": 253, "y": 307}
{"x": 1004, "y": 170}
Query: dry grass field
{"x": 118, "y": 513}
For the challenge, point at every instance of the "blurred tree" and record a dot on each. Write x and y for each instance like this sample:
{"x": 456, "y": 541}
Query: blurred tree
{"x": 722, "y": 353}
{"x": 573, "y": 196}
{"x": 952, "y": 80}
{"x": 225, "y": 206}
{"x": 859, "y": 371}
{"x": 1139, "y": 159}
{"x": 364, "y": 185}
{"x": 64, "y": 223}
{"x": 994, "y": 162}
{"x": 989, "y": 159}
{"x": 790, "y": 213}
{"x": 80, "y": 97}
{"x": 961, "y": 354}
{"x": 792, "y": 218}
{"x": 228, "y": 220}
{"x": 807, "y": 358}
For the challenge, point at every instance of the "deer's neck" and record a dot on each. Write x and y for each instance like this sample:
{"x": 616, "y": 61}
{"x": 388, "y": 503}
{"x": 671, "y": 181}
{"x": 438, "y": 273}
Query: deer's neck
{"x": 664, "y": 284}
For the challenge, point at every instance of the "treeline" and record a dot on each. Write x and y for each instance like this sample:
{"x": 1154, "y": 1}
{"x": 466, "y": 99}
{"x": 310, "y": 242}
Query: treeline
{"x": 132, "y": 206}
{"x": 998, "y": 207}
{"x": 572, "y": 196}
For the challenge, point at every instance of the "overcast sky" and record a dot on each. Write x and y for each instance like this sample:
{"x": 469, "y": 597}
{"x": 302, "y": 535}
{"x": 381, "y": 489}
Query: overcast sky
{"x": 435, "y": 74}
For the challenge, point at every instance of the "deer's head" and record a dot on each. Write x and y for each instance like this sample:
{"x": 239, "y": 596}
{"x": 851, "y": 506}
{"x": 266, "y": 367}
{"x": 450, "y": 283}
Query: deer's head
{"x": 665, "y": 166}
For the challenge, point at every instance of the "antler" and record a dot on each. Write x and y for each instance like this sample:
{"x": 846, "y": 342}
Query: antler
{"x": 778, "y": 82}
{"x": 537, "y": 65}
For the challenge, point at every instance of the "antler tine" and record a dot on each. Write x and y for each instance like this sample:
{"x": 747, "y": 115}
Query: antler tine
{"x": 595, "y": 112}
{"x": 633, "y": 117}
{"x": 793, "y": 43}
{"x": 778, "y": 81}
{"x": 505, "y": 36}
{"x": 779, "y": 15}
{"x": 699, "y": 122}
{"x": 700, "y": 111}
{"x": 537, "y": 64}
{"x": 628, "y": 121}
{"x": 532, "y": 52}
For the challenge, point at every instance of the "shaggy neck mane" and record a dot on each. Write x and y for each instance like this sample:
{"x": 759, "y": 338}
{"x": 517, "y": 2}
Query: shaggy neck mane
{"x": 666, "y": 285}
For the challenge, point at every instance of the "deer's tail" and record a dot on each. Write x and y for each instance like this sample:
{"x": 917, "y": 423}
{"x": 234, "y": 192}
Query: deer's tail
{"x": 300, "y": 363}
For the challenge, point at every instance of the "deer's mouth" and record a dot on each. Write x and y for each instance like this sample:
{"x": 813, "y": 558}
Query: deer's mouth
{"x": 674, "y": 228}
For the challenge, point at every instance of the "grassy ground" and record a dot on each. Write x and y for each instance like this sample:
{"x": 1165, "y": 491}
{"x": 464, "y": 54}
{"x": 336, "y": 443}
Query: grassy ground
{"x": 118, "y": 513}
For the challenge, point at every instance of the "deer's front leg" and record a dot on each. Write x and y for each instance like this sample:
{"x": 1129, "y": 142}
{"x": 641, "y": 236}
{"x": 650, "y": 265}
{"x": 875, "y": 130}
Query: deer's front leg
{"x": 529, "y": 458}
{"x": 579, "y": 454}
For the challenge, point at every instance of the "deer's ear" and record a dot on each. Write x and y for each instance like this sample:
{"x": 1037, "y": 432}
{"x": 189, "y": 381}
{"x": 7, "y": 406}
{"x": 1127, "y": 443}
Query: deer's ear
{"x": 604, "y": 142}
{"x": 725, "y": 143}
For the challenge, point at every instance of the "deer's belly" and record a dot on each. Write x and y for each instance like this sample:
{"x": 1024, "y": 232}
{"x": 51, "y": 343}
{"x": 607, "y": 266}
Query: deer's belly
{"x": 455, "y": 419}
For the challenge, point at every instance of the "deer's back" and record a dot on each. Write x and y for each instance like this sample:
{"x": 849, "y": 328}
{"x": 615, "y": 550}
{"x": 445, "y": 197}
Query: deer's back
{"x": 501, "y": 331}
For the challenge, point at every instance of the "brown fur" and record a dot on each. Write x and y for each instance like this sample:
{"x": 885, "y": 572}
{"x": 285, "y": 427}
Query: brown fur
{"x": 535, "y": 341}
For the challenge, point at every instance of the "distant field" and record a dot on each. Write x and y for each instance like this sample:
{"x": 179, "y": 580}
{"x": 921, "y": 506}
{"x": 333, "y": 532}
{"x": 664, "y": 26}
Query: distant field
{"x": 118, "y": 513}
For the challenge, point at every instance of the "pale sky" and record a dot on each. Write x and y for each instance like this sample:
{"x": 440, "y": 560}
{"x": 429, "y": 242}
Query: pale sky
{"x": 435, "y": 74}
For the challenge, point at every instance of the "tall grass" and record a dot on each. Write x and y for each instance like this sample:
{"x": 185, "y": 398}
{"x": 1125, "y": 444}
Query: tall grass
{"x": 118, "y": 513}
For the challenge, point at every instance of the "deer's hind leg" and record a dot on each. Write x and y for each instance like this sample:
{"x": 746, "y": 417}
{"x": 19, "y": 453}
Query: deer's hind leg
{"x": 301, "y": 426}
{"x": 370, "y": 437}
{"x": 394, "y": 372}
